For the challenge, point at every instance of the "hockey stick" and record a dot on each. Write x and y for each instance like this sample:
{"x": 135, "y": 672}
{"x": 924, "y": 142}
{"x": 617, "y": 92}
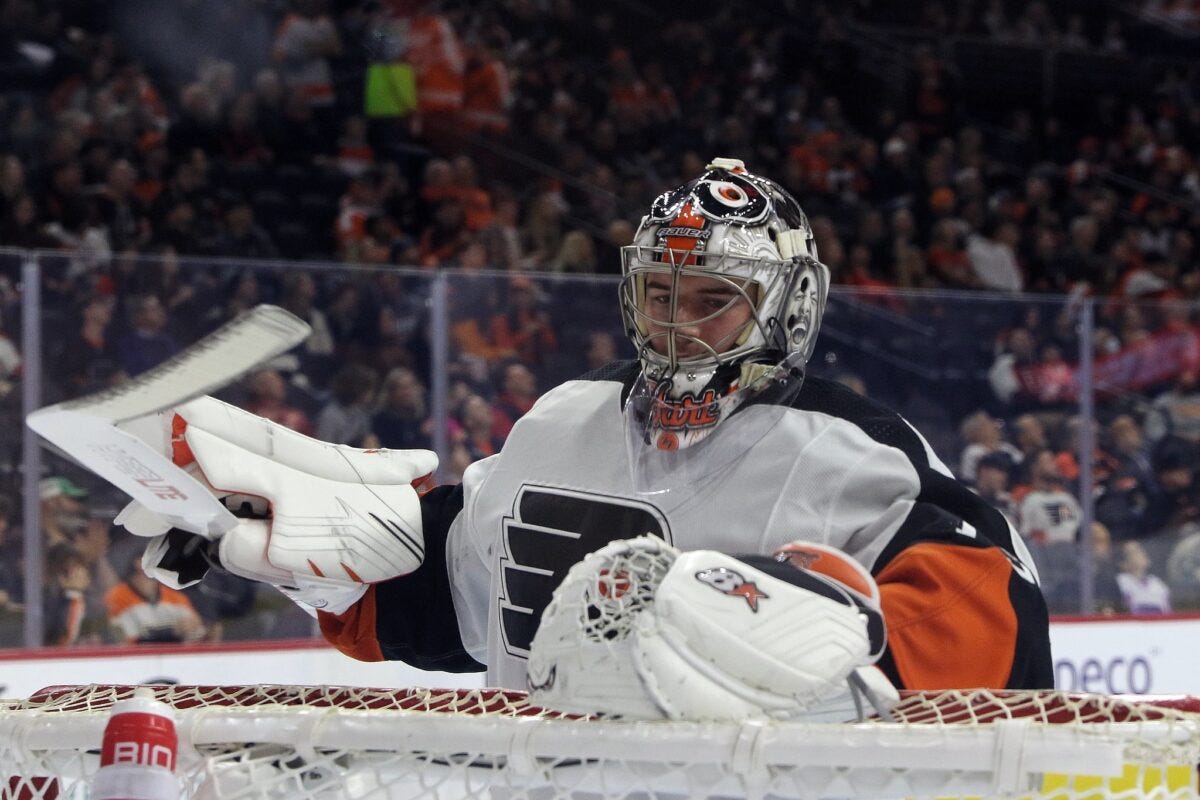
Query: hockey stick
{"x": 86, "y": 429}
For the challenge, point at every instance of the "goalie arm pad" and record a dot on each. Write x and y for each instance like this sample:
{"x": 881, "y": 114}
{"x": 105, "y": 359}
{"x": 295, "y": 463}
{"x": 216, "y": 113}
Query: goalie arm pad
{"x": 971, "y": 595}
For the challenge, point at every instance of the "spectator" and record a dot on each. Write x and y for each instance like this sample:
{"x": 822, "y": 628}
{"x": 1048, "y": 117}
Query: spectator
{"x": 524, "y": 330}
{"x": 1105, "y": 590}
{"x": 501, "y": 238}
{"x": 479, "y": 436}
{"x": 948, "y": 258}
{"x": 12, "y": 592}
{"x": 983, "y": 435}
{"x": 22, "y": 226}
{"x": 242, "y": 237}
{"x": 1176, "y": 412}
{"x": 148, "y": 343}
{"x": 476, "y": 202}
{"x": 518, "y": 393}
{"x": 487, "y": 93}
{"x": 1130, "y": 448}
{"x": 1175, "y": 467}
{"x": 306, "y": 41}
{"x": 197, "y": 124}
{"x": 242, "y": 141}
{"x": 402, "y": 421}
{"x": 359, "y": 204}
{"x": 1029, "y": 434}
{"x": 576, "y": 253}
{"x": 10, "y": 362}
{"x": 143, "y": 611}
{"x": 1142, "y": 592}
{"x": 1049, "y": 514}
{"x": 601, "y": 349}
{"x": 61, "y": 509}
{"x": 346, "y": 418}
{"x": 1048, "y": 521}
{"x": 993, "y": 472}
{"x": 1129, "y": 499}
{"x": 91, "y": 542}
{"x": 63, "y": 603}
{"x": 269, "y": 398}
{"x": 298, "y": 294}
{"x": 119, "y": 208}
{"x": 993, "y": 257}
{"x": 446, "y": 239}
{"x": 543, "y": 229}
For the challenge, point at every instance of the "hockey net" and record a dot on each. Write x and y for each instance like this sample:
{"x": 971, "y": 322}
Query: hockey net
{"x": 342, "y": 742}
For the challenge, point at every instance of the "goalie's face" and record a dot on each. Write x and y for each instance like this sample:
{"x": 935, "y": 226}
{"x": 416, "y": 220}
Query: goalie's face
{"x": 689, "y": 317}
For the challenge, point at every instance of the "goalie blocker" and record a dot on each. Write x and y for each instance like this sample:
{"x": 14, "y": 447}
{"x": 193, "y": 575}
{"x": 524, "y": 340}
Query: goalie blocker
{"x": 640, "y": 630}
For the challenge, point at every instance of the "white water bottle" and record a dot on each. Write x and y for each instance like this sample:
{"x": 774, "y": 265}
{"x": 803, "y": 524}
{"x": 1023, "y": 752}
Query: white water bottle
{"x": 137, "y": 758}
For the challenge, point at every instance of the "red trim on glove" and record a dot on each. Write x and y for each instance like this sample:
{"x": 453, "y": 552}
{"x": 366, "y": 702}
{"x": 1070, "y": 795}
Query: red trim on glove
{"x": 181, "y": 453}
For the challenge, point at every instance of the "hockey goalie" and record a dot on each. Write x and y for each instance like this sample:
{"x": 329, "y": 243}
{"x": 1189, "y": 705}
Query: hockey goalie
{"x": 705, "y": 531}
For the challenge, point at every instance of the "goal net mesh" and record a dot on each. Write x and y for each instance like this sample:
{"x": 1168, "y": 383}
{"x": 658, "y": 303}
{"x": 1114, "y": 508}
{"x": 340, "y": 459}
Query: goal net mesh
{"x": 344, "y": 742}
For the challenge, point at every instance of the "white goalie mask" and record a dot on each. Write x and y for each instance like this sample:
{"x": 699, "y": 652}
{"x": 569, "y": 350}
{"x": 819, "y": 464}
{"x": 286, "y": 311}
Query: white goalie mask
{"x": 722, "y": 296}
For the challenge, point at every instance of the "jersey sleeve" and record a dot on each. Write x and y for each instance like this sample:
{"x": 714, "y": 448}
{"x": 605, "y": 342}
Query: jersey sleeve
{"x": 961, "y": 603}
{"x": 411, "y": 618}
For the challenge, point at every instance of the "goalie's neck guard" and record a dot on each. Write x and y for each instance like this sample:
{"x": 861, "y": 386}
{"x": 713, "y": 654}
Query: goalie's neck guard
{"x": 679, "y": 438}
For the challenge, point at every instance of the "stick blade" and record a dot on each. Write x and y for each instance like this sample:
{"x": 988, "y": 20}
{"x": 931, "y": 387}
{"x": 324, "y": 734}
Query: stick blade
{"x": 85, "y": 429}
{"x": 218, "y": 359}
{"x": 136, "y": 468}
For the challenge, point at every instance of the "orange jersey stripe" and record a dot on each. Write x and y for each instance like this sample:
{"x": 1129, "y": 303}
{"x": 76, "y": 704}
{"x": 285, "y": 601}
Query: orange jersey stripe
{"x": 950, "y": 622}
{"x": 353, "y": 632}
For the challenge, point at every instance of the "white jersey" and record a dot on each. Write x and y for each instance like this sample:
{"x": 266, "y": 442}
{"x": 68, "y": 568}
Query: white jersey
{"x": 823, "y": 465}
{"x": 562, "y": 487}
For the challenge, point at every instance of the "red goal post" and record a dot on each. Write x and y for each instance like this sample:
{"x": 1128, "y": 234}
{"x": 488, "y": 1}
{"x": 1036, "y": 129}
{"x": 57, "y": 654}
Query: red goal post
{"x": 346, "y": 742}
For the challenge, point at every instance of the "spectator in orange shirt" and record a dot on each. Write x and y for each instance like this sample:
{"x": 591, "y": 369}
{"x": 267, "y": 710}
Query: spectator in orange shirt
{"x": 524, "y": 328}
{"x": 446, "y": 237}
{"x": 476, "y": 202}
{"x": 141, "y": 610}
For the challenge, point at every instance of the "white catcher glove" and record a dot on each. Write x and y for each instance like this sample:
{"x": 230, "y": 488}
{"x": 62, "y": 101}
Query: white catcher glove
{"x": 339, "y": 517}
{"x": 641, "y": 630}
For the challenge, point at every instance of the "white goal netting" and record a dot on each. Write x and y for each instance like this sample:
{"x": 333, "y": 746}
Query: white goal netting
{"x": 342, "y": 742}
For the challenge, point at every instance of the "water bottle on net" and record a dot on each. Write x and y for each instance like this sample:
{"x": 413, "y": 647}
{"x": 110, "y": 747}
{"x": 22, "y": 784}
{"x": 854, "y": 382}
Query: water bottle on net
{"x": 137, "y": 757}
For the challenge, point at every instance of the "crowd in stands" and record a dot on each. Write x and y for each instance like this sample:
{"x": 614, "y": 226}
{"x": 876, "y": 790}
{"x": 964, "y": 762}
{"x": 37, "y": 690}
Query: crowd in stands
{"x": 513, "y": 144}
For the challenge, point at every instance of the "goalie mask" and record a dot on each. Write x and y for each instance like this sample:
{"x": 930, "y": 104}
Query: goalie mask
{"x": 722, "y": 296}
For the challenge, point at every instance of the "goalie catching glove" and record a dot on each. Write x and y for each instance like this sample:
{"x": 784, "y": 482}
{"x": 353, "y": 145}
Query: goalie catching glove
{"x": 335, "y": 518}
{"x": 641, "y": 630}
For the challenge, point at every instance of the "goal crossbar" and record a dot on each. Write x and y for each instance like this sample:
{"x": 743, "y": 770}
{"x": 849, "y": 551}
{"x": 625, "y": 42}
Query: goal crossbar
{"x": 280, "y": 741}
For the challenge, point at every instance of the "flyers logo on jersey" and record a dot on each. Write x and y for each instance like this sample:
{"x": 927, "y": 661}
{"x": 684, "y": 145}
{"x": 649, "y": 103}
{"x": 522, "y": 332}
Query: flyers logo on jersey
{"x": 730, "y": 582}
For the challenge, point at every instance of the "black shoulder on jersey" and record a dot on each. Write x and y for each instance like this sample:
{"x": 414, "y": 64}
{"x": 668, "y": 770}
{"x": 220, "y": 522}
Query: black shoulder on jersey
{"x": 877, "y": 421}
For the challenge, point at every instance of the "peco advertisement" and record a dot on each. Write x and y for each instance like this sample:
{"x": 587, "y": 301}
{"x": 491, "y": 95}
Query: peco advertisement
{"x": 1140, "y": 655}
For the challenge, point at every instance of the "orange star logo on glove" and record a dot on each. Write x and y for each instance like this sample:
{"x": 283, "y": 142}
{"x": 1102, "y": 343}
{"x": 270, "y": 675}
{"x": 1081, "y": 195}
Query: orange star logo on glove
{"x": 730, "y": 582}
